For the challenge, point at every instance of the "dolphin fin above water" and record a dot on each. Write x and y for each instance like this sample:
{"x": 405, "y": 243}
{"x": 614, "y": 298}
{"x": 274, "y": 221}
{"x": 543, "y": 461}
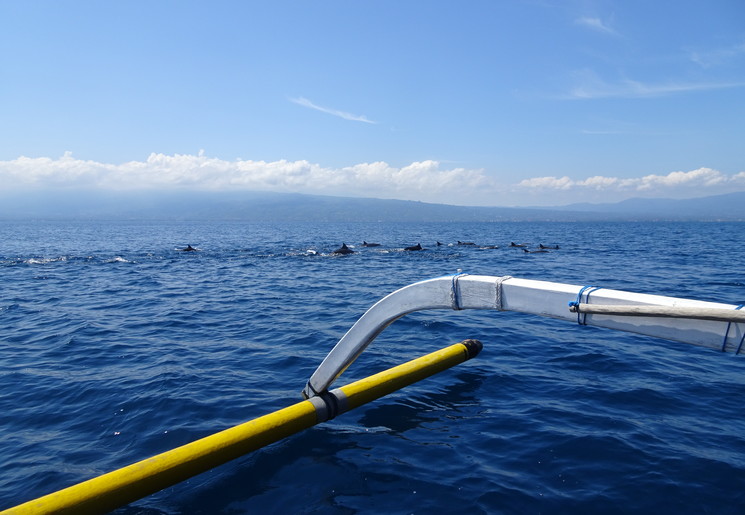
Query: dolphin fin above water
{"x": 343, "y": 250}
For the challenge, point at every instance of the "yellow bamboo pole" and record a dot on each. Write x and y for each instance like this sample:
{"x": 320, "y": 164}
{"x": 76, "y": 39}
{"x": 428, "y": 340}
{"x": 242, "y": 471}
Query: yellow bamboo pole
{"x": 123, "y": 486}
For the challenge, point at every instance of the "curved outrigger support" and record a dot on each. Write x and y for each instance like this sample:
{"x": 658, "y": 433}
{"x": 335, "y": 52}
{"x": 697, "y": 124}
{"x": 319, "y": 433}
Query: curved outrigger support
{"x": 703, "y": 323}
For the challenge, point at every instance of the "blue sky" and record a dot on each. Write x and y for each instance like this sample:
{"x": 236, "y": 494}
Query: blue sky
{"x": 478, "y": 103}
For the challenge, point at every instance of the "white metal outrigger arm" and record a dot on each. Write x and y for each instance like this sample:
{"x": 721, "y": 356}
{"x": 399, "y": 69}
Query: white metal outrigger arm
{"x": 706, "y": 324}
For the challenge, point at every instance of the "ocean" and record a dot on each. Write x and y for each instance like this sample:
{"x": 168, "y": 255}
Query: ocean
{"x": 116, "y": 346}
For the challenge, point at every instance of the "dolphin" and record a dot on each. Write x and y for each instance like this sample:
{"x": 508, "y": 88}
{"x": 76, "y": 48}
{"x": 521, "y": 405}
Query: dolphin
{"x": 513, "y": 244}
{"x": 542, "y": 246}
{"x": 540, "y": 251}
{"x": 188, "y": 248}
{"x": 466, "y": 243}
{"x": 418, "y": 246}
{"x": 343, "y": 250}
{"x": 365, "y": 244}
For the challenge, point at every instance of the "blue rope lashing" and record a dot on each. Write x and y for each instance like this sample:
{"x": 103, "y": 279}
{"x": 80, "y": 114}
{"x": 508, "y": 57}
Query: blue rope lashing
{"x": 454, "y": 293}
{"x": 726, "y": 334}
{"x": 582, "y": 317}
{"x": 742, "y": 340}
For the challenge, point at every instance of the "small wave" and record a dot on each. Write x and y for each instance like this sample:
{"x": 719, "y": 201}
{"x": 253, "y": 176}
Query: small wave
{"x": 303, "y": 253}
{"x": 9, "y": 307}
{"x": 118, "y": 259}
{"x": 44, "y": 261}
{"x": 356, "y": 429}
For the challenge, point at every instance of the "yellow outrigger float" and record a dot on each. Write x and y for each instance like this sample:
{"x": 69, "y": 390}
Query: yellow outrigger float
{"x": 109, "y": 491}
{"x": 714, "y": 325}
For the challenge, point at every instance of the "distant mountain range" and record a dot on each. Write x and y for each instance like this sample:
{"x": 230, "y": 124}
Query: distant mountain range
{"x": 281, "y": 207}
{"x": 730, "y": 206}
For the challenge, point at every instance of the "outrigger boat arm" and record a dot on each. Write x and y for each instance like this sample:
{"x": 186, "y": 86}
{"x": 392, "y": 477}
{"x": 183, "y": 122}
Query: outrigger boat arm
{"x": 708, "y": 324}
{"x": 705, "y": 323}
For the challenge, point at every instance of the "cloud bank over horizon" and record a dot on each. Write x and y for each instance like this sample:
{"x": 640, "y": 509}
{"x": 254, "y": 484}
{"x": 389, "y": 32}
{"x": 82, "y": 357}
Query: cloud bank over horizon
{"x": 673, "y": 183}
{"x": 427, "y": 181}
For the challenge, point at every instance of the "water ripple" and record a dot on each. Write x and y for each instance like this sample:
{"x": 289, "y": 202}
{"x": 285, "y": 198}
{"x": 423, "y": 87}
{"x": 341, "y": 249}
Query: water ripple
{"x": 117, "y": 346}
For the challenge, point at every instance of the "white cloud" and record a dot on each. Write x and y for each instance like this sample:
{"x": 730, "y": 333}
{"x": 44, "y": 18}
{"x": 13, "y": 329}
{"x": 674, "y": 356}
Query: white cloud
{"x": 703, "y": 181}
{"x": 341, "y": 114}
{"x": 590, "y": 86}
{"x": 719, "y": 56}
{"x": 599, "y": 182}
{"x": 550, "y": 183}
{"x": 595, "y": 24}
{"x": 424, "y": 180}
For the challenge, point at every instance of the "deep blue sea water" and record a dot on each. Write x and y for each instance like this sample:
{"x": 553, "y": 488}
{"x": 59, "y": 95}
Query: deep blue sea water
{"x": 115, "y": 346}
